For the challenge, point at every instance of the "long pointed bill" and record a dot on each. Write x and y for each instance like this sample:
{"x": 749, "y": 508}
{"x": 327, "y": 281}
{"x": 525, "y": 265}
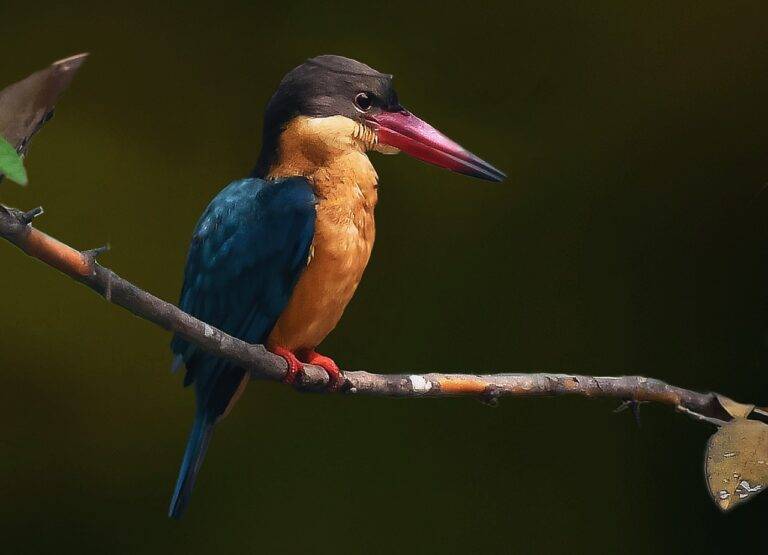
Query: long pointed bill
{"x": 404, "y": 131}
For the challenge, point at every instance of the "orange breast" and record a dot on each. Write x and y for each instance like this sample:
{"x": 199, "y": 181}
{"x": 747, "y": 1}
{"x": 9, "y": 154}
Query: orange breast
{"x": 344, "y": 236}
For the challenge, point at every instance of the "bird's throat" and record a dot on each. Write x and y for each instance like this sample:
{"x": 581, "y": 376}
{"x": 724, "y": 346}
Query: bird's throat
{"x": 331, "y": 153}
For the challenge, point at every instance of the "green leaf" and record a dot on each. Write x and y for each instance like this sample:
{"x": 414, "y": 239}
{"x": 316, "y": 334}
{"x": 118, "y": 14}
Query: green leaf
{"x": 11, "y": 164}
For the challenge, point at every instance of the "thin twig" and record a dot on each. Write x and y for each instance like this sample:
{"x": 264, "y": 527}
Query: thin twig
{"x": 15, "y": 227}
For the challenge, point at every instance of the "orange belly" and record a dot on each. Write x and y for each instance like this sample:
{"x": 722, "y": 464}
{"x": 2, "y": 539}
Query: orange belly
{"x": 341, "y": 253}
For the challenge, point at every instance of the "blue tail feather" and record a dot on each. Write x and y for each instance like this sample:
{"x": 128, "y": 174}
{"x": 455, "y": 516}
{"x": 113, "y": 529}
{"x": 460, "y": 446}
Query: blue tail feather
{"x": 199, "y": 437}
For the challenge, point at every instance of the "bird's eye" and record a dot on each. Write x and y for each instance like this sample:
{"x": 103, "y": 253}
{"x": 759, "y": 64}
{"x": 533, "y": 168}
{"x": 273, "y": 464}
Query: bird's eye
{"x": 363, "y": 102}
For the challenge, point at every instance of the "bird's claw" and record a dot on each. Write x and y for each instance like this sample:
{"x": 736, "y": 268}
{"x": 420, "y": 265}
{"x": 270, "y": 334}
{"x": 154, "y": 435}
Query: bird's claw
{"x": 296, "y": 360}
{"x": 294, "y": 366}
{"x": 335, "y": 377}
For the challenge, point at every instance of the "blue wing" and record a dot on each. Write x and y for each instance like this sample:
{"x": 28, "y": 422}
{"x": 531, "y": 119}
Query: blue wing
{"x": 248, "y": 251}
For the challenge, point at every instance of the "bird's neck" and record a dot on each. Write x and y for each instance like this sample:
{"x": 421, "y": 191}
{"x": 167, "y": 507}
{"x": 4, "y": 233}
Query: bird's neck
{"x": 331, "y": 153}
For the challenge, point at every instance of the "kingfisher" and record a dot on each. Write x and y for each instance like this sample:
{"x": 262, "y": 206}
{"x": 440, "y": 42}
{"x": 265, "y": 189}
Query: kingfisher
{"x": 276, "y": 257}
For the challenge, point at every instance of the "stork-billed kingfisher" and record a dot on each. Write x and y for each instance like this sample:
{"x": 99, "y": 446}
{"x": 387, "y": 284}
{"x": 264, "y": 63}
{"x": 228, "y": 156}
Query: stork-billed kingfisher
{"x": 276, "y": 257}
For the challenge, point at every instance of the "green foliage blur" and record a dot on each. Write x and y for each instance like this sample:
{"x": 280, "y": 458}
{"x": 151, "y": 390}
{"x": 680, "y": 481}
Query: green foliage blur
{"x": 630, "y": 237}
{"x": 11, "y": 165}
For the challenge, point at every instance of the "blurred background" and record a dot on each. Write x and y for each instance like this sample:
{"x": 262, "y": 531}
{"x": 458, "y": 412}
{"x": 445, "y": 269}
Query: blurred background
{"x": 630, "y": 237}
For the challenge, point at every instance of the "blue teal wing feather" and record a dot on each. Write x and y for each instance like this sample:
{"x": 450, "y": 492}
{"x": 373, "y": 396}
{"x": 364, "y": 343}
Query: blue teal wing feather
{"x": 248, "y": 250}
{"x": 247, "y": 253}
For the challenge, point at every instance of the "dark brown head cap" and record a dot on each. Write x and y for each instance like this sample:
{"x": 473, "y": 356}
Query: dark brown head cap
{"x": 323, "y": 86}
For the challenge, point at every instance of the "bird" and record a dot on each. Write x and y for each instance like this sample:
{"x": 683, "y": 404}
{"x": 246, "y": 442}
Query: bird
{"x": 276, "y": 256}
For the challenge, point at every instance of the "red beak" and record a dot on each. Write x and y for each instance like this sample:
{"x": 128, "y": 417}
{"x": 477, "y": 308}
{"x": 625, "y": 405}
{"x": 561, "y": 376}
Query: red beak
{"x": 404, "y": 131}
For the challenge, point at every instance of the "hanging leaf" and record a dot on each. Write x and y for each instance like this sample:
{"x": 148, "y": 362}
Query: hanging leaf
{"x": 734, "y": 408}
{"x": 25, "y": 106}
{"x": 11, "y": 164}
{"x": 736, "y": 462}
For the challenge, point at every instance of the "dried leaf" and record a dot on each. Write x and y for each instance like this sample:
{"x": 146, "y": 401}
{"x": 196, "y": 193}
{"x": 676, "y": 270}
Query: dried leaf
{"x": 736, "y": 410}
{"x": 736, "y": 462}
{"x": 25, "y": 106}
{"x": 11, "y": 164}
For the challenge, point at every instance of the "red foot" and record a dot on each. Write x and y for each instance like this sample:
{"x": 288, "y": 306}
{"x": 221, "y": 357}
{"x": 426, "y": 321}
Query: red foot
{"x": 335, "y": 379}
{"x": 293, "y": 363}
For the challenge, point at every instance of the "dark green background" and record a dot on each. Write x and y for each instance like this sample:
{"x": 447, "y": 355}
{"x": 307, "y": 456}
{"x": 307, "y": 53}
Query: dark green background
{"x": 629, "y": 237}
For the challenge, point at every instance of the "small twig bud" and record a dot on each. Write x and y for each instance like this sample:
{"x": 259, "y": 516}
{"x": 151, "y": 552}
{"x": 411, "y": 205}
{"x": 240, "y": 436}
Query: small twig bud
{"x": 93, "y": 254}
{"x": 634, "y": 406}
{"x": 27, "y": 217}
{"x": 490, "y": 396}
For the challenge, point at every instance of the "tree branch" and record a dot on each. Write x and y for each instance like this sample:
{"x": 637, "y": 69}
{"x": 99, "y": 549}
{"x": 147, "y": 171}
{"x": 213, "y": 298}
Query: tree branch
{"x": 15, "y": 226}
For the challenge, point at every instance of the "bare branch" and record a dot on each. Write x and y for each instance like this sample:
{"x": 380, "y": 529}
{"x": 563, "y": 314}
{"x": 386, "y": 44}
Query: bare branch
{"x": 15, "y": 226}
